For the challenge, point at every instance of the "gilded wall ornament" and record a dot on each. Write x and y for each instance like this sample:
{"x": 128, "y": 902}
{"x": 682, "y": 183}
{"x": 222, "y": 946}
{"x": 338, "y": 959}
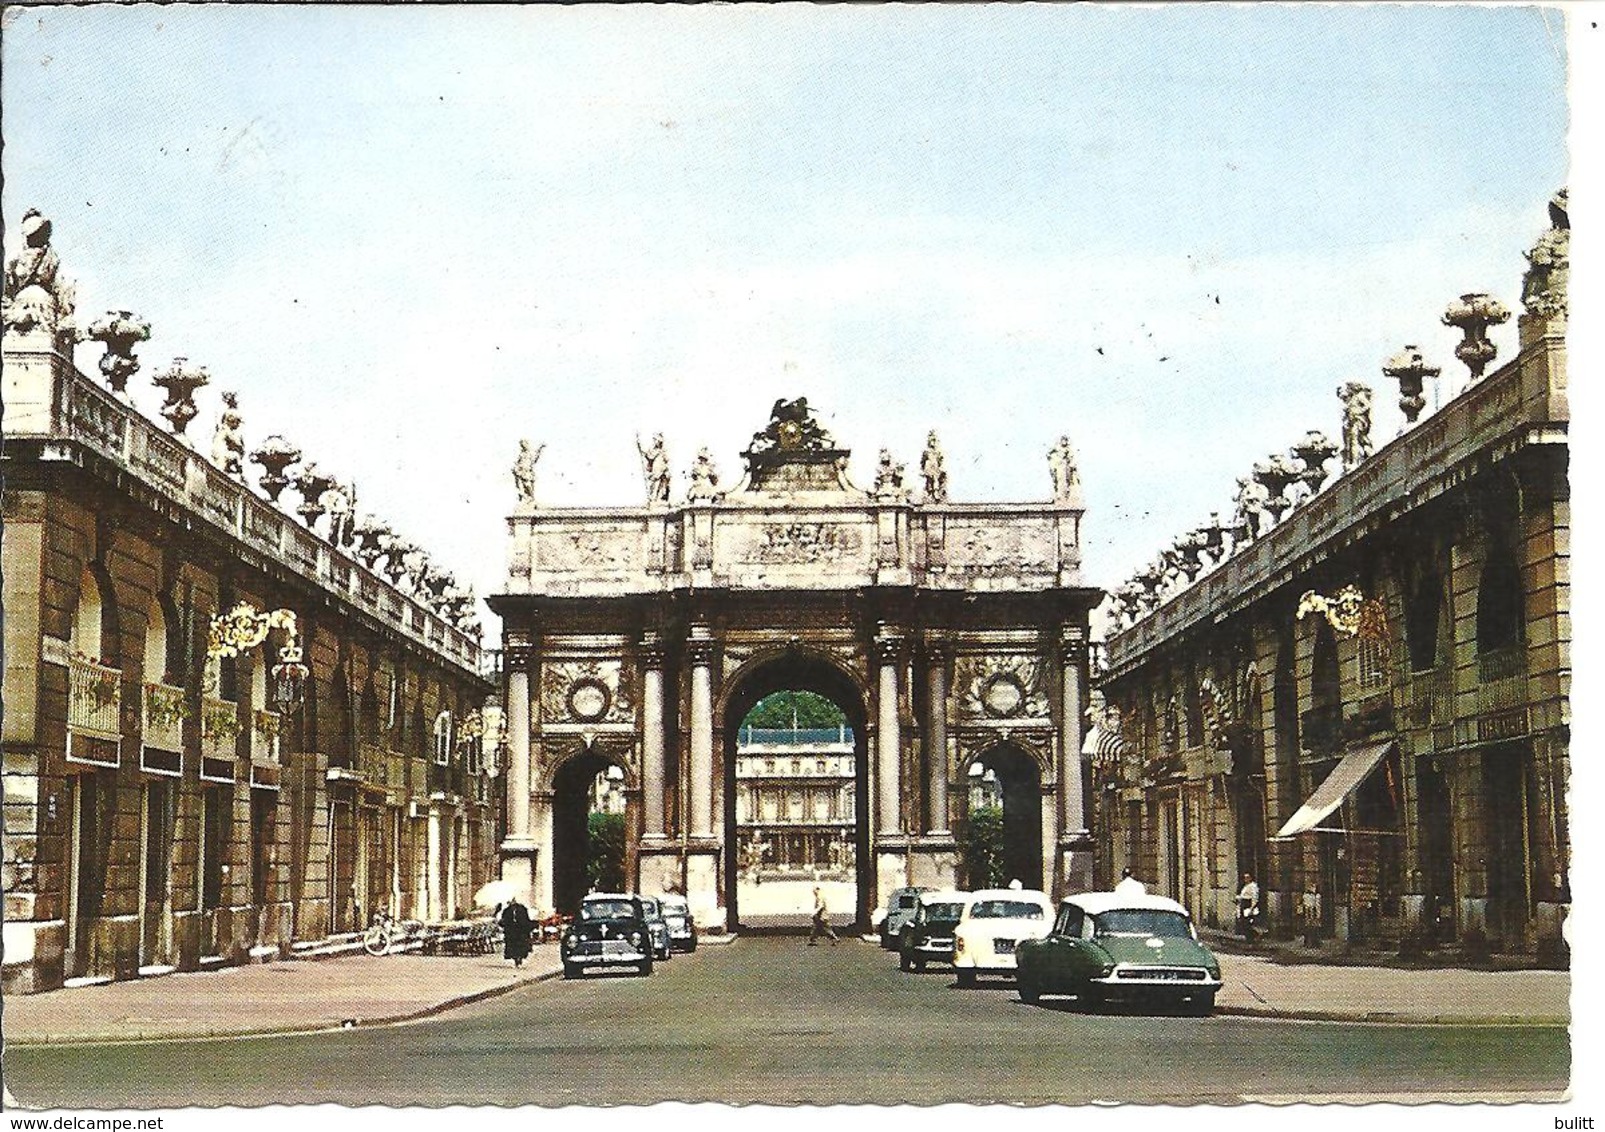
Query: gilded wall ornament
{"x": 999, "y": 687}
{"x": 588, "y": 691}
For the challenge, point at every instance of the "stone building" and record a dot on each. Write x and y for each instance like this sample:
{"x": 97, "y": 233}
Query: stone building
{"x": 1356, "y": 689}
{"x": 168, "y": 805}
{"x": 796, "y": 802}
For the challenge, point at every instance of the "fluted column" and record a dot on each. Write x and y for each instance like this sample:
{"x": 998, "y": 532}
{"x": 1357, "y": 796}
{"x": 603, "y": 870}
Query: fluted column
{"x": 1072, "y": 803}
{"x": 699, "y": 650}
{"x": 652, "y": 733}
{"x": 936, "y": 657}
{"x": 889, "y": 737}
{"x": 518, "y": 659}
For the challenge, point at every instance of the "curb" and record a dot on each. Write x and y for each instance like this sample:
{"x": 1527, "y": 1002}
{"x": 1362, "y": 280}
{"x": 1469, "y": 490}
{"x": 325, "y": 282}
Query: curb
{"x": 1387, "y": 1018}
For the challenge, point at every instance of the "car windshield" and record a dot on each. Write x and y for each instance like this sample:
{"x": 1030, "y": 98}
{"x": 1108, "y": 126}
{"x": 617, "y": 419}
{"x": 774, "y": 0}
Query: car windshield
{"x": 606, "y": 910}
{"x": 1143, "y": 921}
{"x": 1005, "y": 910}
{"x": 944, "y": 911}
{"x": 674, "y": 908}
{"x": 649, "y": 906}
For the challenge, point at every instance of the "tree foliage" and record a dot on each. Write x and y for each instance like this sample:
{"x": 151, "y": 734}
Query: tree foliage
{"x": 776, "y": 711}
{"x": 982, "y": 847}
{"x": 604, "y": 861}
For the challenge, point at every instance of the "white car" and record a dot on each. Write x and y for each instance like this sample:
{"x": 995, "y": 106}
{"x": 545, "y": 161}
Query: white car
{"x": 994, "y": 921}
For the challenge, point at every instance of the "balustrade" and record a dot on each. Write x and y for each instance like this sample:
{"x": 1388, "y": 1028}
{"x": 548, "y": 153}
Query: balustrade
{"x": 94, "y": 712}
{"x": 220, "y": 727}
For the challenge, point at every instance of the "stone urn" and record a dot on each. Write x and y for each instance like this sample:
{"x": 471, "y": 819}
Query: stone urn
{"x": 180, "y": 381}
{"x": 118, "y": 331}
{"x": 312, "y": 483}
{"x": 1410, "y": 370}
{"x": 275, "y": 454}
{"x": 1473, "y": 314}
{"x": 370, "y": 534}
{"x": 1312, "y": 453}
{"x": 1274, "y": 475}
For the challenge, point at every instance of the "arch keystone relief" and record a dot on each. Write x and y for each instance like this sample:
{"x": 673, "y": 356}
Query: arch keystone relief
{"x": 645, "y": 634}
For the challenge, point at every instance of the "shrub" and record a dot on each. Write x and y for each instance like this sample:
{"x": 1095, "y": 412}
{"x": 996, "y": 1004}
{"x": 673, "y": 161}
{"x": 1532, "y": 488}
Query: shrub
{"x": 604, "y": 860}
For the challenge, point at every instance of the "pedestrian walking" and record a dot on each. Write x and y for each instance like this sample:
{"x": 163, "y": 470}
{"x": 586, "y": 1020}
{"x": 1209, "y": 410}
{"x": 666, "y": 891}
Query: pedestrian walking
{"x": 516, "y": 929}
{"x": 821, "y": 921}
{"x": 1247, "y": 907}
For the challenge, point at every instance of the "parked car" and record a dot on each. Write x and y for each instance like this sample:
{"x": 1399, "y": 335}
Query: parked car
{"x": 1108, "y": 945}
{"x": 898, "y": 910}
{"x": 995, "y": 920}
{"x": 682, "y": 928}
{"x": 653, "y": 911}
{"x": 929, "y": 935}
{"x": 611, "y": 930}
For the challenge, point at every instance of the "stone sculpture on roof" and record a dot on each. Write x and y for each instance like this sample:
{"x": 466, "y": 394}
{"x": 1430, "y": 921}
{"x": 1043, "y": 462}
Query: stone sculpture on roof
{"x": 933, "y": 470}
{"x": 35, "y": 295}
{"x": 1062, "y": 467}
{"x": 704, "y": 478}
{"x": 655, "y": 468}
{"x": 524, "y": 473}
{"x": 228, "y": 442}
{"x": 1356, "y": 398}
{"x": 791, "y": 425}
{"x": 1543, "y": 288}
{"x": 889, "y": 479}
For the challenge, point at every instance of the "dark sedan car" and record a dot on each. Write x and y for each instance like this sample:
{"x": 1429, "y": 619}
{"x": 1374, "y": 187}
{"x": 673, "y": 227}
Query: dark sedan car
{"x": 929, "y": 935}
{"x": 611, "y": 930}
{"x": 1107, "y": 945}
{"x": 682, "y": 928}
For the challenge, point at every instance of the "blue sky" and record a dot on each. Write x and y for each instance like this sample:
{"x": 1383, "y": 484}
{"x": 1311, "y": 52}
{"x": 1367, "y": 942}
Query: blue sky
{"x": 410, "y": 236}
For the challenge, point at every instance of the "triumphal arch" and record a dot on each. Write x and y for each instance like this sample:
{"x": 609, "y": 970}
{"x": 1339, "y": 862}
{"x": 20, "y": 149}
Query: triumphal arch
{"x": 636, "y": 639}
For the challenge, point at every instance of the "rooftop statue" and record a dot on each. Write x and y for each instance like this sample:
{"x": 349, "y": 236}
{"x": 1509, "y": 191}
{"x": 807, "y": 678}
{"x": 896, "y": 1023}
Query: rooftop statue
{"x": 1062, "y": 467}
{"x": 35, "y": 295}
{"x": 1356, "y": 398}
{"x": 228, "y": 442}
{"x": 340, "y": 502}
{"x": 704, "y": 479}
{"x": 1543, "y": 289}
{"x": 524, "y": 473}
{"x": 655, "y": 468}
{"x": 889, "y": 479}
{"x": 933, "y": 470}
{"x": 791, "y": 425}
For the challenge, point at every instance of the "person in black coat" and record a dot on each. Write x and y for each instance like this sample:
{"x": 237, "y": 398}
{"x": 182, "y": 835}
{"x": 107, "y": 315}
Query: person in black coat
{"x": 516, "y": 928}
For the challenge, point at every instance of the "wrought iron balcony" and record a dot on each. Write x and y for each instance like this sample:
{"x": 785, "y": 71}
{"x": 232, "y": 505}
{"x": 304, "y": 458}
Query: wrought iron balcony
{"x": 1501, "y": 664}
{"x": 94, "y": 712}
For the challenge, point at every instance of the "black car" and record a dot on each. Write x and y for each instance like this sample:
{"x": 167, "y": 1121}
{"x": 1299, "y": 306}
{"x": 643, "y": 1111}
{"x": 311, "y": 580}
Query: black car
{"x": 929, "y": 935}
{"x": 611, "y": 930}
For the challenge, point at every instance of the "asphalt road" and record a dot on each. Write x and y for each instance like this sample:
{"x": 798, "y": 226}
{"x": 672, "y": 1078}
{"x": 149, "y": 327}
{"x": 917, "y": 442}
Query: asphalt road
{"x": 770, "y": 1020}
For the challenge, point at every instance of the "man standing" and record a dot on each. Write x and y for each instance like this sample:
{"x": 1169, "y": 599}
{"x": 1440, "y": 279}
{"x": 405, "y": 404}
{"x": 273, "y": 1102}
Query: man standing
{"x": 1247, "y": 907}
{"x": 516, "y": 930}
{"x": 821, "y": 922}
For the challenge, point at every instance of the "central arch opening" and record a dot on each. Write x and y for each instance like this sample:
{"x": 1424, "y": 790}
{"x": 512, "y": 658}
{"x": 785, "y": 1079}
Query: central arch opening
{"x": 796, "y": 790}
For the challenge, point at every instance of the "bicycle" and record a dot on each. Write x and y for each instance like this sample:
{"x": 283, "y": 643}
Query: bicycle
{"x": 387, "y": 934}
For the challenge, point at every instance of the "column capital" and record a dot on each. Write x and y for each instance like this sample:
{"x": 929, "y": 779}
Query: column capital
{"x": 938, "y": 650}
{"x": 651, "y": 649}
{"x": 890, "y": 644}
{"x": 518, "y": 657}
{"x": 1073, "y": 644}
{"x": 700, "y": 645}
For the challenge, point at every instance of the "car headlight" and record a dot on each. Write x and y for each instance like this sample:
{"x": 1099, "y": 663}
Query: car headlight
{"x": 635, "y": 938}
{"x": 1107, "y": 970}
{"x": 570, "y": 941}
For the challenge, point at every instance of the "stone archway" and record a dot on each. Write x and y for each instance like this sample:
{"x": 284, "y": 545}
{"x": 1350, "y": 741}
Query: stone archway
{"x": 1019, "y": 788}
{"x": 940, "y": 628}
{"x": 572, "y": 783}
{"x": 795, "y": 669}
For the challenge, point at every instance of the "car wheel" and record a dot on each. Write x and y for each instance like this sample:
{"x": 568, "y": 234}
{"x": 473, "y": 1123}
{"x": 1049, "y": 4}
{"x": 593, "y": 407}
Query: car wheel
{"x": 693, "y": 946}
{"x": 966, "y": 977}
{"x": 645, "y": 967}
{"x": 570, "y": 971}
{"x": 1029, "y": 991}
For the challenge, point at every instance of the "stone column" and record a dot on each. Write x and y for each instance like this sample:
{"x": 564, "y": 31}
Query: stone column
{"x": 518, "y": 661}
{"x": 520, "y": 848}
{"x": 700, "y": 649}
{"x": 1072, "y": 804}
{"x": 936, "y": 657}
{"x": 437, "y": 865}
{"x": 888, "y": 737}
{"x": 652, "y": 735}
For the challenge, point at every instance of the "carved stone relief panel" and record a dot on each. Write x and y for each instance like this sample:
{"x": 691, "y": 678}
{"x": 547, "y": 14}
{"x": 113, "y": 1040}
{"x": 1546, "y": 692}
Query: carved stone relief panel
{"x": 988, "y": 548}
{"x": 998, "y": 687}
{"x": 587, "y": 692}
{"x": 970, "y": 745}
{"x": 617, "y": 749}
{"x": 796, "y": 543}
{"x": 589, "y": 549}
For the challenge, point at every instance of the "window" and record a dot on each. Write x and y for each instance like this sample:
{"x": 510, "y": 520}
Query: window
{"x": 216, "y": 802}
{"x": 1421, "y": 616}
{"x": 443, "y": 738}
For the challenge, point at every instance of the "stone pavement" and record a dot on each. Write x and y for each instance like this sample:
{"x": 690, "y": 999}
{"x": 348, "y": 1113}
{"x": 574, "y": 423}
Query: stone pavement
{"x": 362, "y": 990}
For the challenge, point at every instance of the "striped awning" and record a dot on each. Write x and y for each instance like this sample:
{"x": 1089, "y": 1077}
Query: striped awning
{"x": 1360, "y": 760}
{"x": 1104, "y": 748}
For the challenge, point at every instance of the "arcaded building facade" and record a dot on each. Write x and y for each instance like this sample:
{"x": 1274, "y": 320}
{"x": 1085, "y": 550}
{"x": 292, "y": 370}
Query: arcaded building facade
{"x": 1357, "y": 688}
{"x": 168, "y": 806}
